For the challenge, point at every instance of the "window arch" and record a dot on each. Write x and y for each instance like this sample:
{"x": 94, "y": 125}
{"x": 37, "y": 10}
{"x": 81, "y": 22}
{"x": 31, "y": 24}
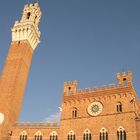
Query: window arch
{"x": 23, "y": 135}
{"x": 87, "y": 135}
{"x": 119, "y": 107}
{"x": 71, "y": 135}
{"x": 38, "y": 135}
{"x": 74, "y": 112}
{"x": 28, "y": 15}
{"x": 124, "y": 82}
{"x": 103, "y": 134}
{"x": 53, "y": 136}
{"x": 121, "y": 133}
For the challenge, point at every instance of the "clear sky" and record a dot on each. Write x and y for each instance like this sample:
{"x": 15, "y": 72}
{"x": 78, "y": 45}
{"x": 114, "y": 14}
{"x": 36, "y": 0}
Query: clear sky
{"x": 85, "y": 40}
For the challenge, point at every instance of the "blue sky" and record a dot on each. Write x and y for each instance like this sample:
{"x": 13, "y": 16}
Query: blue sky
{"x": 85, "y": 40}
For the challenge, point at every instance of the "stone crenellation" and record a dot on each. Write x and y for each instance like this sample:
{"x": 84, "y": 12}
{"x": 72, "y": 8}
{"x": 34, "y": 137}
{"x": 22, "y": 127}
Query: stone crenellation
{"x": 36, "y": 125}
{"x": 27, "y": 27}
{"x": 70, "y": 88}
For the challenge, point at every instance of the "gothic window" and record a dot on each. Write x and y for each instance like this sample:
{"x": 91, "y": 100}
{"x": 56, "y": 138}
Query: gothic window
{"x": 38, "y": 135}
{"x": 124, "y": 82}
{"x": 121, "y": 133}
{"x": 119, "y": 107}
{"x": 53, "y": 136}
{"x": 71, "y": 135}
{"x": 87, "y": 135}
{"x": 103, "y": 134}
{"x": 74, "y": 113}
{"x": 28, "y": 15}
{"x": 69, "y": 90}
{"x": 23, "y": 135}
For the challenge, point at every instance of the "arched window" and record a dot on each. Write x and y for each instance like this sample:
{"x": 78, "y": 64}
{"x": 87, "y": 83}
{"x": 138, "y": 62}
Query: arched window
{"x": 28, "y": 15}
{"x": 74, "y": 112}
{"x": 124, "y": 82}
{"x": 71, "y": 135}
{"x": 119, "y": 107}
{"x": 87, "y": 135}
{"x": 23, "y": 135}
{"x": 38, "y": 135}
{"x": 103, "y": 134}
{"x": 121, "y": 133}
{"x": 53, "y": 136}
{"x": 69, "y": 89}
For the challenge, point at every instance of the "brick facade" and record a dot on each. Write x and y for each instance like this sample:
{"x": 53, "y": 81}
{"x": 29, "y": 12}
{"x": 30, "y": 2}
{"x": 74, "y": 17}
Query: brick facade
{"x": 109, "y": 118}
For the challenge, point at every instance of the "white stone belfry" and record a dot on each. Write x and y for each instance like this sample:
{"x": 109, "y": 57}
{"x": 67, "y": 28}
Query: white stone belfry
{"x": 27, "y": 28}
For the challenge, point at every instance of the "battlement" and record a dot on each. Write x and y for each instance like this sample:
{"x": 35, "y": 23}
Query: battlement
{"x": 96, "y": 89}
{"x": 36, "y": 125}
{"x": 124, "y": 80}
{"x": 70, "y": 87}
{"x": 28, "y": 27}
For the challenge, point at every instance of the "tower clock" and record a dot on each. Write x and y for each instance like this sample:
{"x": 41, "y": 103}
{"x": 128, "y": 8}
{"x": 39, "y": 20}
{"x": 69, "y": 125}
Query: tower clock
{"x": 95, "y": 108}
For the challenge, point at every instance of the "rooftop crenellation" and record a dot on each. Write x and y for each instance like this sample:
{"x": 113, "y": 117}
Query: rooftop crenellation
{"x": 36, "y": 124}
{"x": 124, "y": 80}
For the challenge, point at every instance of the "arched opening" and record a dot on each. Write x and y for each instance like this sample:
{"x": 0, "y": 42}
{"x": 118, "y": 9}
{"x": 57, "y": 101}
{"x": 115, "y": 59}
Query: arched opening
{"x": 103, "y": 134}
{"x": 119, "y": 107}
{"x": 121, "y": 133}
{"x": 87, "y": 135}
{"x": 38, "y": 135}
{"x": 28, "y": 15}
{"x": 53, "y": 136}
{"x": 74, "y": 112}
{"x": 124, "y": 82}
{"x": 23, "y": 135}
{"x": 71, "y": 135}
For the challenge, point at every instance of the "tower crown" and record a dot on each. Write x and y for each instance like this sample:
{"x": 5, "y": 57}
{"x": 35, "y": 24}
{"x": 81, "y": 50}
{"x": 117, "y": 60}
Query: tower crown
{"x": 70, "y": 87}
{"x": 125, "y": 78}
{"x": 31, "y": 14}
{"x": 27, "y": 28}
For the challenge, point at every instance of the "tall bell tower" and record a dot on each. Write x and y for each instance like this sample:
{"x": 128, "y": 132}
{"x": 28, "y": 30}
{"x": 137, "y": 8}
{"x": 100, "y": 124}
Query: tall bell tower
{"x": 25, "y": 38}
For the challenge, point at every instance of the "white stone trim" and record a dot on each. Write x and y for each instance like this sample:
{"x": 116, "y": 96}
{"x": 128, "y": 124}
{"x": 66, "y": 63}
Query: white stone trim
{"x": 27, "y": 32}
{"x": 27, "y": 28}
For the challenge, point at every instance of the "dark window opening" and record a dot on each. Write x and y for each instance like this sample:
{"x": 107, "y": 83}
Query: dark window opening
{"x": 38, "y": 137}
{"x": 53, "y": 137}
{"x": 103, "y": 136}
{"x": 69, "y": 90}
{"x": 124, "y": 81}
{"x": 23, "y": 137}
{"x": 121, "y": 135}
{"x": 87, "y": 136}
{"x": 74, "y": 113}
{"x": 28, "y": 15}
{"x": 119, "y": 107}
{"x": 71, "y": 137}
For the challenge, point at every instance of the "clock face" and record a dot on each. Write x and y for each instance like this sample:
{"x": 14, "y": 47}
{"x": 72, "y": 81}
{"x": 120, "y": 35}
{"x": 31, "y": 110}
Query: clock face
{"x": 1, "y": 118}
{"x": 95, "y": 108}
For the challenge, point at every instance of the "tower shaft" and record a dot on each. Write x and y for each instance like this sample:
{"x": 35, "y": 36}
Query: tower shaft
{"x": 13, "y": 82}
{"x": 25, "y": 38}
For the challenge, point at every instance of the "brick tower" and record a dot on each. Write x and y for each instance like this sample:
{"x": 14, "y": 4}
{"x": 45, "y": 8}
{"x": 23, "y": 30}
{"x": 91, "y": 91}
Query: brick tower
{"x": 25, "y": 38}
